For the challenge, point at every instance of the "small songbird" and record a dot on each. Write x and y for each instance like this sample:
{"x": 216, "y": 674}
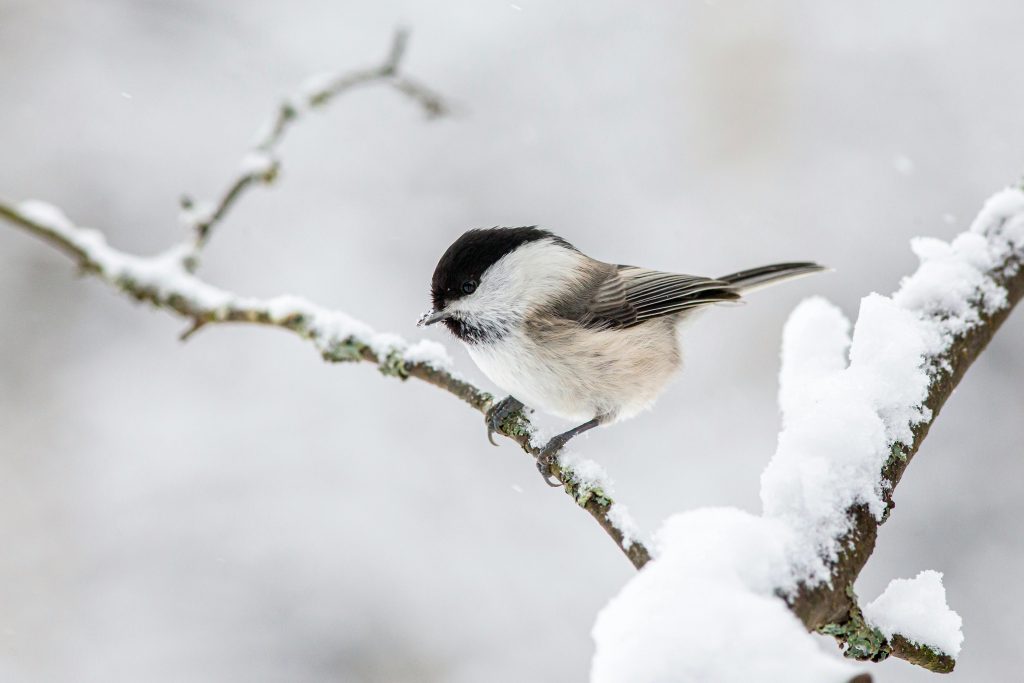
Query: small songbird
{"x": 569, "y": 335}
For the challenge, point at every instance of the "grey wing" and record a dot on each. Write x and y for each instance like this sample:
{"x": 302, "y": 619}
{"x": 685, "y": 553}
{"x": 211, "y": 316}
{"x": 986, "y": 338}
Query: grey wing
{"x": 629, "y": 296}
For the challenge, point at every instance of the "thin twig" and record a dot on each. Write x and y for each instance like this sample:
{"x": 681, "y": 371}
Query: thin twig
{"x": 192, "y": 329}
{"x": 260, "y": 166}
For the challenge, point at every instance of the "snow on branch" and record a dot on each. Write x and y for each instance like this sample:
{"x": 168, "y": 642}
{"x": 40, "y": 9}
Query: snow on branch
{"x": 855, "y": 411}
{"x": 165, "y": 282}
{"x": 916, "y": 609}
{"x": 953, "y": 305}
{"x": 168, "y": 281}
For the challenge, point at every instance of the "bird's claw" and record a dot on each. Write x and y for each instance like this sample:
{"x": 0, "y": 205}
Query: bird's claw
{"x": 547, "y": 457}
{"x": 497, "y": 414}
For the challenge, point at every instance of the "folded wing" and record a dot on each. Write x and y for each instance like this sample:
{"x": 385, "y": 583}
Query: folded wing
{"x": 631, "y": 295}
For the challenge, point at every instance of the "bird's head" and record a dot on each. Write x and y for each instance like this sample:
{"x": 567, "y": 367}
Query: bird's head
{"x": 488, "y": 279}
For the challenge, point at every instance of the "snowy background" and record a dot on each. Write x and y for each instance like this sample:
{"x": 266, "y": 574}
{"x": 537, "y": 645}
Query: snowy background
{"x": 233, "y": 509}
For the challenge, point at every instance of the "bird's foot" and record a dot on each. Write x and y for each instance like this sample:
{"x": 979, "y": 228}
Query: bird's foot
{"x": 548, "y": 456}
{"x": 498, "y": 413}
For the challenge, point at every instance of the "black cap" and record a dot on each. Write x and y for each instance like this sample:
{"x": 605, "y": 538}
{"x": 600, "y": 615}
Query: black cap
{"x": 469, "y": 257}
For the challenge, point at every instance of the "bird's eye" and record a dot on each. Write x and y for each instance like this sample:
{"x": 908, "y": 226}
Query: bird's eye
{"x": 469, "y": 286}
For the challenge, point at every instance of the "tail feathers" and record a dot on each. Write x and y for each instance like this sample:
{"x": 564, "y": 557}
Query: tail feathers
{"x": 747, "y": 281}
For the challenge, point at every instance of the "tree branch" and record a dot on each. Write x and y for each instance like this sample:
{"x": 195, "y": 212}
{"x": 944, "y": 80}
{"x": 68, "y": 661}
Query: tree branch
{"x": 164, "y": 282}
{"x": 261, "y": 165}
{"x": 832, "y": 607}
{"x": 168, "y": 281}
{"x": 862, "y": 641}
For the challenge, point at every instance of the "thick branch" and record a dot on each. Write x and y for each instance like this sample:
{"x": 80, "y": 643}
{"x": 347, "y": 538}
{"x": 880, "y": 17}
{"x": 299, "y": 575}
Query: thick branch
{"x": 864, "y": 642}
{"x": 828, "y": 606}
{"x": 847, "y": 400}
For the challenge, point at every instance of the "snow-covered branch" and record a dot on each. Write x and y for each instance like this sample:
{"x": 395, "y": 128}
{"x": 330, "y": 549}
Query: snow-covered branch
{"x": 908, "y": 354}
{"x": 165, "y": 282}
{"x": 855, "y": 411}
{"x": 169, "y": 281}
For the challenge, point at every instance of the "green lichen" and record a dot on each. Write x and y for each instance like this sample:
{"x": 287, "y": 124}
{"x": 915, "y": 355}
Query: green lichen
{"x": 922, "y": 655}
{"x": 344, "y": 351}
{"x": 858, "y": 639}
{"x": 584, "y": 494}
{"x": 288, "y": 112}
{"x": 581, "y": 493}
{"x": 598, "y": 496}
{"x": 897, "y": 452}
{"x": 516, "y": 425}
{"x": 270, "y": 174}
{"x": 393, "y": 365}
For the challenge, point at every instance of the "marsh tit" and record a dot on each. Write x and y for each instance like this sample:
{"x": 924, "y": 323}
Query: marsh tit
{"x": 563, "y": 333}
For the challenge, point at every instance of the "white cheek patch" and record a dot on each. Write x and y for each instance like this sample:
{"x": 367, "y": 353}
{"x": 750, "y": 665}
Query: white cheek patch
{"x": 531, "y": 275}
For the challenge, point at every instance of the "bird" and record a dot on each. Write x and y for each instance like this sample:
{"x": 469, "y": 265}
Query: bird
{"x": 569, "y": 335}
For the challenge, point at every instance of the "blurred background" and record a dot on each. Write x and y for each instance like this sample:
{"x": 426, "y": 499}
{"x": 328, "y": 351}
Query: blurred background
{"x": 233, "y": 509}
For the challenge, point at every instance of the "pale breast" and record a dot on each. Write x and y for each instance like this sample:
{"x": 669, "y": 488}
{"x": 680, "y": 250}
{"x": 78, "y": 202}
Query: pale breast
{"x": 578, "y": 374}
{"x": 534, "y": 377}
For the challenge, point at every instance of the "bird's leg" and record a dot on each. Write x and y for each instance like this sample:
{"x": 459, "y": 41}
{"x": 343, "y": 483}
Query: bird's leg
{"x": 549, "y": 453}
{"x": 498, "y": 413}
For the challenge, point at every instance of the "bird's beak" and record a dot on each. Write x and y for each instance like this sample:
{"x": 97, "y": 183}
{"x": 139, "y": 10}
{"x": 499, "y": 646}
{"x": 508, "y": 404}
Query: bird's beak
{"x": 431, "y": 317}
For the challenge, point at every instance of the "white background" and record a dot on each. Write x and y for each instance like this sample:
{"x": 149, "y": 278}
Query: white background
{"x": 232, "y": 509}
